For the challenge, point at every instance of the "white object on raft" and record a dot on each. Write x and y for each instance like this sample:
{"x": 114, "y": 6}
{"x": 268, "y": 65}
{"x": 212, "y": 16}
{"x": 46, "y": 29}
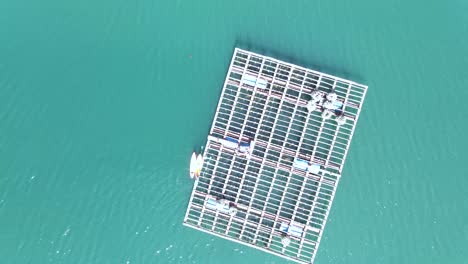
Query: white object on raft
{"x": 304, "y": 165}
{"x": 292, "y": 229}
{"x": 332, "y": 105}
{"x": 311, "y": 106}
{"x": 221, "y": 205}
{"x": 327, "y": 114}
{"x": 245, "y": 147}
{"x": 254, "y": 81}
{"x": 285, "y": 241}
{"x": 227, "y": 142}
{"x": 332, "y": 96}
{"x": 316, "y": 96}
{"x": 232, "y": 143}
{"x": 341, "y": 119}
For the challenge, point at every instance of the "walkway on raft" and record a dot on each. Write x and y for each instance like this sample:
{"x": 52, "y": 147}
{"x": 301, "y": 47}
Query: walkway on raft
{"x": 264, "y": 100}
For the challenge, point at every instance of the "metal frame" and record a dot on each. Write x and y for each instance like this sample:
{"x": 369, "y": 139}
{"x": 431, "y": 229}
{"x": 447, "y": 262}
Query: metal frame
{"x": 266, "y": 189}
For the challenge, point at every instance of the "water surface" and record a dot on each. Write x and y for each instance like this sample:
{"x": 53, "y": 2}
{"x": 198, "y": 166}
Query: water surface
{"x": 102, "y": 103}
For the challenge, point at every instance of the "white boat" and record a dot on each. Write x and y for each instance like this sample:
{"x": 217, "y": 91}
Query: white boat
{"x": 193, "y": 165}
{"x": 199, "y": 165}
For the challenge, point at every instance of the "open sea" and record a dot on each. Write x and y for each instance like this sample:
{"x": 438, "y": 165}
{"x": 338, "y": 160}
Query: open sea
{"x": 103, "y": 102}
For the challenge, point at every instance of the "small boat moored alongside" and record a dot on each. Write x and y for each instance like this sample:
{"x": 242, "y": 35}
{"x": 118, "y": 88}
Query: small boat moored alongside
{"x": 199, "y": 165}
{"x": 193, "y": 165}
{"x": 196, "y": 164}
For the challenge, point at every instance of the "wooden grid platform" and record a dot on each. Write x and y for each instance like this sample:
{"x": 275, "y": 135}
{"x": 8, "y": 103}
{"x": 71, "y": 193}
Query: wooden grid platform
{"x": 264, "y": 101}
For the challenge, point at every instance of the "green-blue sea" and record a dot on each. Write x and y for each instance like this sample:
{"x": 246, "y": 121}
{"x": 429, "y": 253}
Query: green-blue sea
{"x": 102, "y": 103}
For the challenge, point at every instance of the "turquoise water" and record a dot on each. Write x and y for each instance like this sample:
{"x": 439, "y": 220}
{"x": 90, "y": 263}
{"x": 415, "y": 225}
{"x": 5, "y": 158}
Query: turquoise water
{"x": 102, "y": 103}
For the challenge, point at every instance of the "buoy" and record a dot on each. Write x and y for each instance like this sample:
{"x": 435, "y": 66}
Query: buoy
{"x": 327, "y": 114}
{"x": 285, "y": 241}
{"x": 341, "y": 119}
{"x": 311, "y": 106}
{"x": 316, "y": 96}
{"x": 332, "y": 96}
